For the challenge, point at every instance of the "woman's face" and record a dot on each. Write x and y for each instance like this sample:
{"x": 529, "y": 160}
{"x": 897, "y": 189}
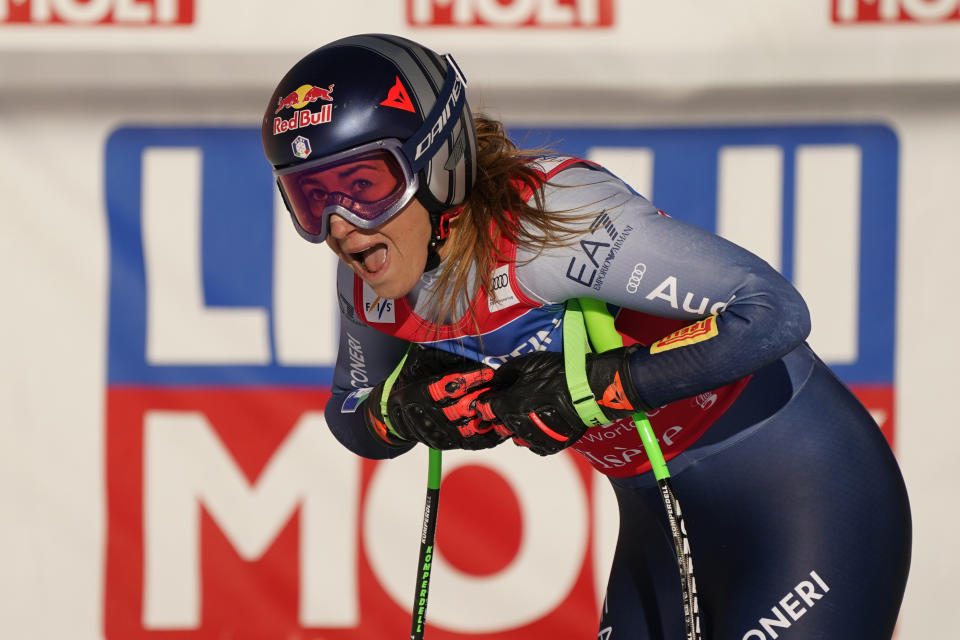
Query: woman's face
{"x": 389, "y": 258}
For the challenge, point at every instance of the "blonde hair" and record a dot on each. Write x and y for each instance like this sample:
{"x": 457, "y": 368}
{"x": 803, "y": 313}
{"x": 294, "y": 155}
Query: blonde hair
{"x": 496, "y": 209}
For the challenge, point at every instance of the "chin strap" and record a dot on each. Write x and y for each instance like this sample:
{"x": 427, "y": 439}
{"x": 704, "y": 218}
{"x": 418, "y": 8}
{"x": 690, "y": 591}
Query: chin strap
{"x": 440, "y": 229}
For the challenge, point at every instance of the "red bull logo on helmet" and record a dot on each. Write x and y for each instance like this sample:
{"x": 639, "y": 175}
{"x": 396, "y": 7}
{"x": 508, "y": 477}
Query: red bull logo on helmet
{"x": 304, "y": 95}
{"x": 304, "y": 118}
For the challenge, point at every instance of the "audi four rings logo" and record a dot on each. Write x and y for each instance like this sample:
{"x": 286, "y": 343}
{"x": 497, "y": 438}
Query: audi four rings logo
{"x": 500, "y": 281}
{"x": 633, "y": 284}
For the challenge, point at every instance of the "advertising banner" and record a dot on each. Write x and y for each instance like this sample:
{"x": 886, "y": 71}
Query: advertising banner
{"x": 612, "y": 44}
{"x": 232, "y": 511}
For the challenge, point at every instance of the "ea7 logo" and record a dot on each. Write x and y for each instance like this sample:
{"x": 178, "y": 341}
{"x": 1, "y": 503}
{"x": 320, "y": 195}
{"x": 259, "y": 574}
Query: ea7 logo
{"x": 596, "y": 248}
{"x": 859, "y": 11}
{"x": 510, "y": 13}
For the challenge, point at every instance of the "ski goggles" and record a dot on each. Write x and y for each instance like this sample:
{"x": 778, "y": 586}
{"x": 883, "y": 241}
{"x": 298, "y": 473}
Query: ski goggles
{"x": 366, "y": 185}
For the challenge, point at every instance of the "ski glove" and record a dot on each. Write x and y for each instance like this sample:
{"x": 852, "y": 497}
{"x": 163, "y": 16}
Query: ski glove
{"x": 532, "y": 403}
{"x": 433, "y": 401}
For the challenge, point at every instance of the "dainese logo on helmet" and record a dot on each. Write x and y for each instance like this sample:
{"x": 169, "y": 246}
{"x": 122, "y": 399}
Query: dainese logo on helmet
{"x": 298, "y": 99}
{"x": 455, "y": 94}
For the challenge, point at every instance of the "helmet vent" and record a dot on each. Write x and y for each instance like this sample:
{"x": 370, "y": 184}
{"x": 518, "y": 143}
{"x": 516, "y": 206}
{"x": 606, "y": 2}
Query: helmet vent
{"x": 455, "y": 154}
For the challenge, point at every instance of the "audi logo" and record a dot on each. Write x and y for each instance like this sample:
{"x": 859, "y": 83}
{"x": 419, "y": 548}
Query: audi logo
{"x": 500, "y": 281}
{"x": 633, "y": 284}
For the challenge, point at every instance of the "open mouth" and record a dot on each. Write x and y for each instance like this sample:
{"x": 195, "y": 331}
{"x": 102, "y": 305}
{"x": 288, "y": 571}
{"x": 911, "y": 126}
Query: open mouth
{"x": 372, "y": 258}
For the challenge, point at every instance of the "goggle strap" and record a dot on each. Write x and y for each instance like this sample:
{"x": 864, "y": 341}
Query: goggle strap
{"x": 421, "y": 146}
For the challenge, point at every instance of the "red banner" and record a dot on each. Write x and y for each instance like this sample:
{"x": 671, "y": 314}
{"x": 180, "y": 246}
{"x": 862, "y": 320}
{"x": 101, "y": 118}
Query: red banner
{"x": 126, "y": 13}
{"x": 234, "y": 513}
{"x": 886, "y": 11}
{"x": 549, "y": 14}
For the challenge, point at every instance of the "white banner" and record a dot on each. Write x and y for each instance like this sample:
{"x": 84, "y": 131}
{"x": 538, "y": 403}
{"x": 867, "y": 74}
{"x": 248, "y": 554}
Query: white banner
{"x": 145, "y": 492}
{"x": 579, "y": 44}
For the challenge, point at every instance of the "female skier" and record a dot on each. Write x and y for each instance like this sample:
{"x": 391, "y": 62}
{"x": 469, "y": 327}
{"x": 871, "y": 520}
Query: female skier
{"x": 462, "y": 252}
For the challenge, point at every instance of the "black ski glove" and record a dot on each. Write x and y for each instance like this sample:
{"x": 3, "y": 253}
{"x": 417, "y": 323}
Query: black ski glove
{"x": 433, "y": 401}
{"x": 531, "y": 400}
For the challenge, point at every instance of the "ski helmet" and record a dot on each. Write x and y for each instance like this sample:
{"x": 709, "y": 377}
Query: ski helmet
{"x": 379, "y": 98}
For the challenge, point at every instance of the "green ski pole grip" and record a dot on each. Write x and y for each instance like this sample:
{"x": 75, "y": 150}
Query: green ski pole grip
{"x": 604, "y": 336}
{"x": 651, "y": 446}
{"x": 434, "y": 469}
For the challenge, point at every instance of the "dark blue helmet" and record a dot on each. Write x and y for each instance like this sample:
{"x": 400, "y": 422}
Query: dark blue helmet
{"x": 364, "y": 89}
